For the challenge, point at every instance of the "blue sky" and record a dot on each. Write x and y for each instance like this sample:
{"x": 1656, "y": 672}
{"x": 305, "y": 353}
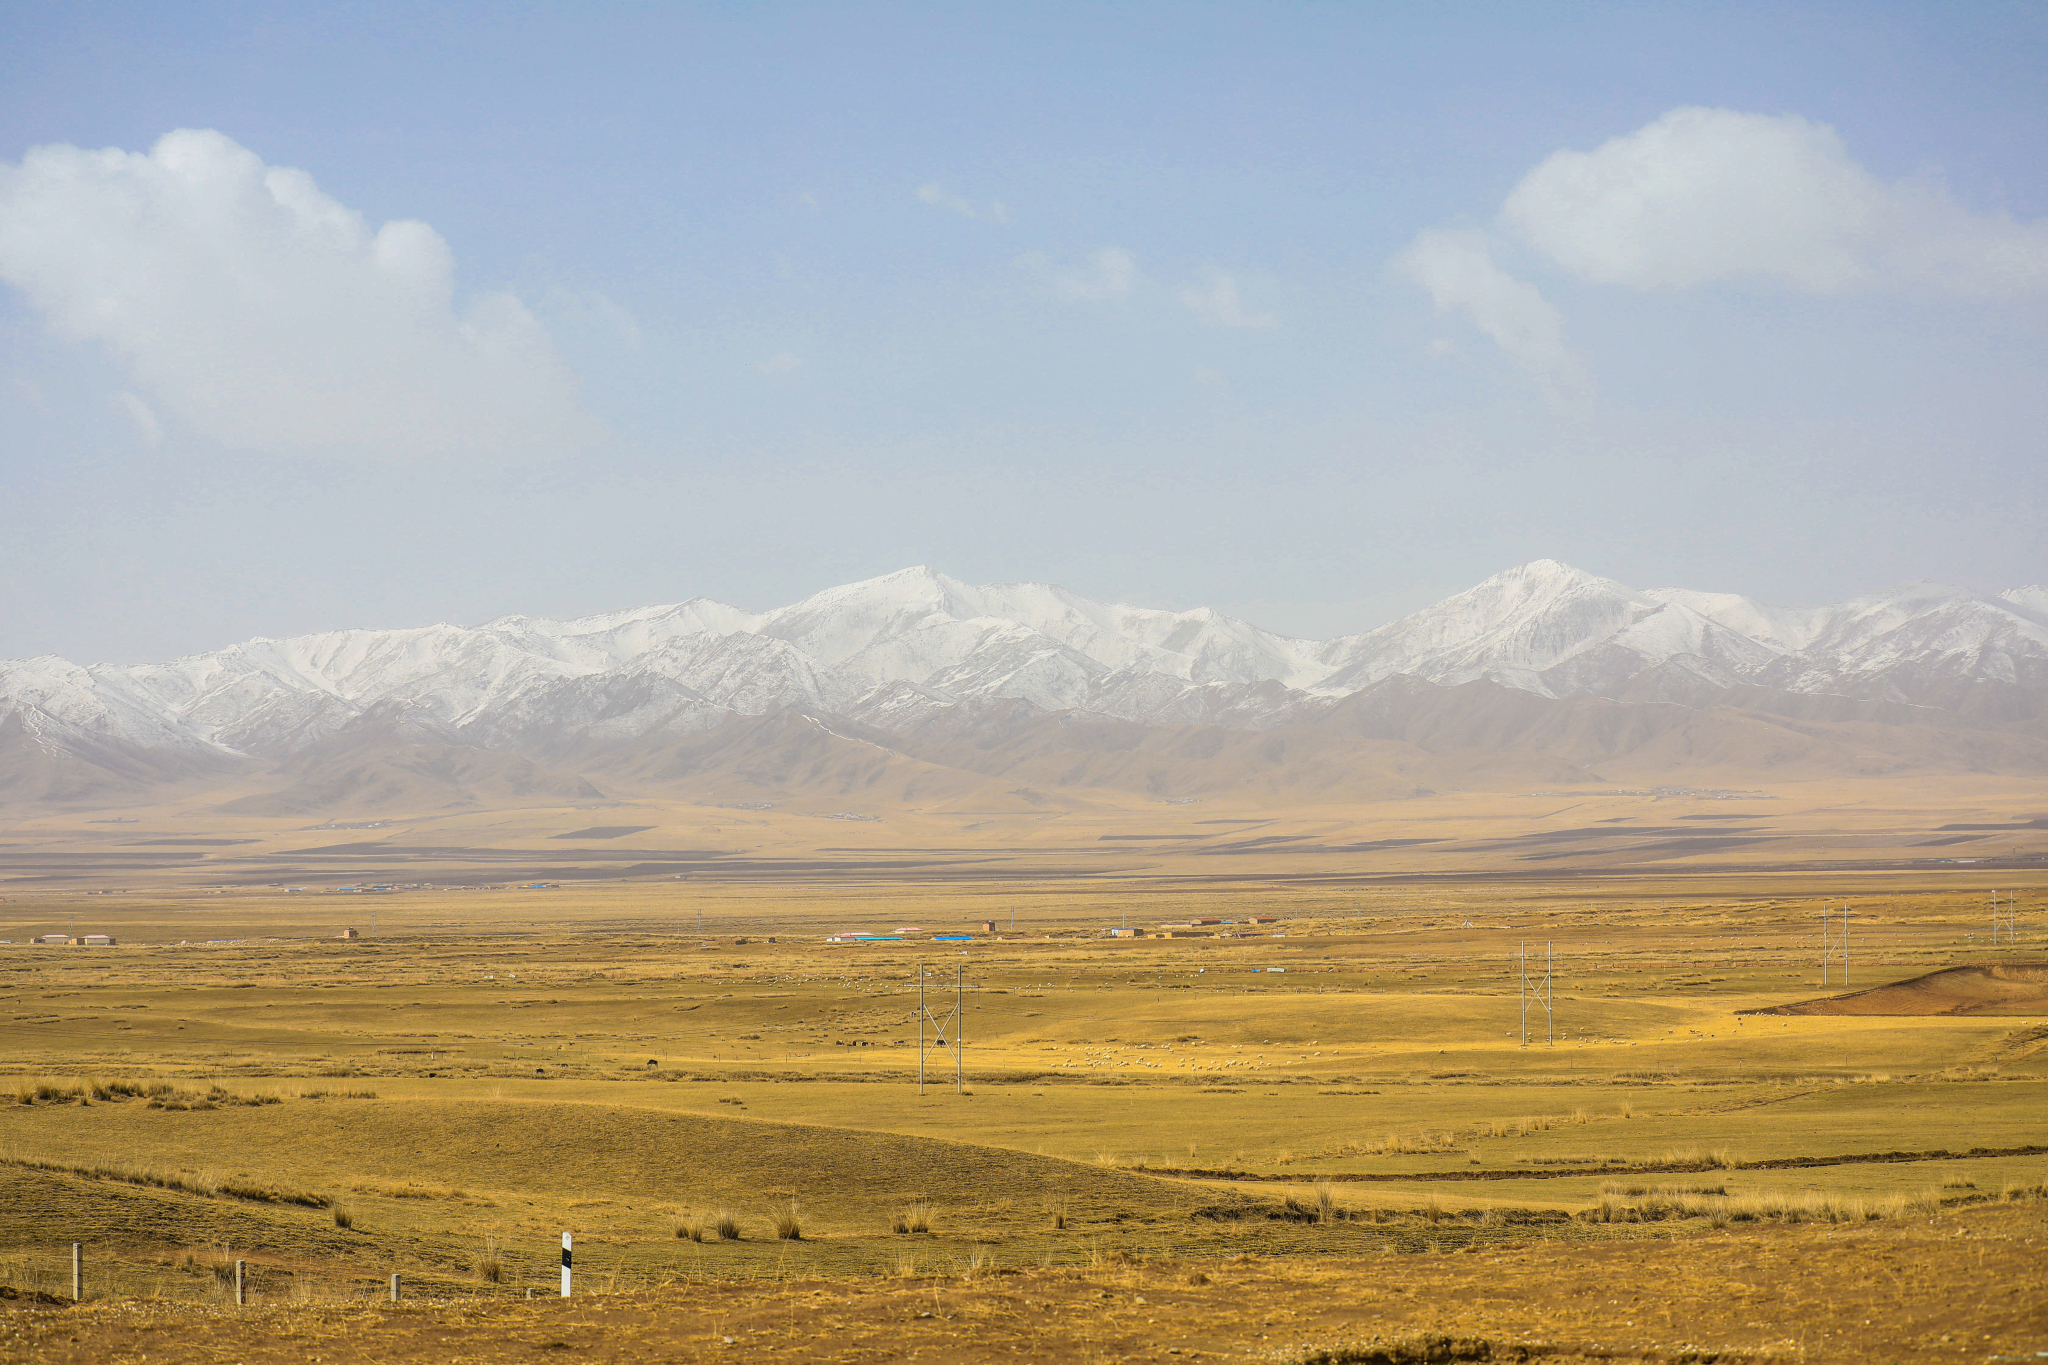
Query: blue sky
{"x": 1309, "y": 312}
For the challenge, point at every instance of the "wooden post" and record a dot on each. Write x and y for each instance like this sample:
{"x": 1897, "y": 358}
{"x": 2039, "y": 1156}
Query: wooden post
{"x": 241, "y": 1283}
{"x": 394, "y": 1289}
{"x": 565, "y": 1265}
{"x": 77, "y": 1272}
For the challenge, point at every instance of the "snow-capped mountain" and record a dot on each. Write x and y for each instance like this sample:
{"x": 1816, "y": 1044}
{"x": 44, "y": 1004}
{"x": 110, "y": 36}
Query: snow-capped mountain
{"x": 892, "y": 652}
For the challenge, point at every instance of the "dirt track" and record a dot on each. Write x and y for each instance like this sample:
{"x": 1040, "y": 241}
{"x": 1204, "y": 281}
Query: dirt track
{"x": 1963, "y": 1286}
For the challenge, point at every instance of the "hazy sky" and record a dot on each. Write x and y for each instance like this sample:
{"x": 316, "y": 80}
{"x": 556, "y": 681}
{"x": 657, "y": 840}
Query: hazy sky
{"x": 316, "y": 316}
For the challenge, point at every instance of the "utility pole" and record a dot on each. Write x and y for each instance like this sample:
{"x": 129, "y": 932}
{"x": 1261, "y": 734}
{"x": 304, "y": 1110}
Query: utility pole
{"x": 2005, "y": 916}
{"x": 1539, "y": 995}
{"x": 1834, "y": 943}
{"x": 942, "y": 1030}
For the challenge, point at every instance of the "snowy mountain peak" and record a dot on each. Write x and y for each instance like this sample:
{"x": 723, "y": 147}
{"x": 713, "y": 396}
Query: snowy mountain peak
{"x": 915, "y": 641}
{"x": 2032, "y": 598}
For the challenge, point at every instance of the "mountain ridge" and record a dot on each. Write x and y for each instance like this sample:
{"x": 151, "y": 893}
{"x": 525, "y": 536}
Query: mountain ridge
{"x": 891, "y": 656}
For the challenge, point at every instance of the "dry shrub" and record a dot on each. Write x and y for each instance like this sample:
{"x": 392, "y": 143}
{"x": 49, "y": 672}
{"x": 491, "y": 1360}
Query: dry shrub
{"x": 787, "y": 1226}
{"x": 45, "y": 1092}
{"x": 726, "y": 1226}
{"x": 344, "y": 1218}
{"x": 205, "y": 1184}
{"x": 690, "y": 1229}
{"x": 1326, "y": 1203}
{"x": 916, "y": 1216}
{"x": 1636, "y": 1204}
{"x": 490, "y": 1266}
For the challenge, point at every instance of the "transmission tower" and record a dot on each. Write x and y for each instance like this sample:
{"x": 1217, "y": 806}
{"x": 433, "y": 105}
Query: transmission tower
{"x": 943, "y": 1034}
{"x": 2005, "y": 918}
{"x": 1834, "y": 943}
{"x": 1538, "y": 994}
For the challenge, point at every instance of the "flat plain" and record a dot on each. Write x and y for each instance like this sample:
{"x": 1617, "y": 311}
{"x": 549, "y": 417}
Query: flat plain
{"x": 1339, "y": 1083}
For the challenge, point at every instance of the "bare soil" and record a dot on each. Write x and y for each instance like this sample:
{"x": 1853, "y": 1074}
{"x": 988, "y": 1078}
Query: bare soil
{"x": 2006, "y": 989}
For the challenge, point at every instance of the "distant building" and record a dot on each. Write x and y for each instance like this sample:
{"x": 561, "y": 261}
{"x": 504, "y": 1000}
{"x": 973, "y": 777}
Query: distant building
{"x": 1125, "y": 933}
{"x": 348, "y": 933}
{"x": 988, "y": 926}
{"x": 96, "y": 940}
{"x": 53, "y": 939}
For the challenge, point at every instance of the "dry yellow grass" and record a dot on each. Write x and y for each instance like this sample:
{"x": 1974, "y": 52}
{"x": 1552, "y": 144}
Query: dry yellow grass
{"x": 496, "y": 1066}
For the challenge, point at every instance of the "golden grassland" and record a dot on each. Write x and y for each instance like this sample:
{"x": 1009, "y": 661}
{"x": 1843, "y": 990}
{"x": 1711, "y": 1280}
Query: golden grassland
{"x": 640, "y": 1059}
{"x": 1958, "y": 1286}
{"x": 1071, "y": 844}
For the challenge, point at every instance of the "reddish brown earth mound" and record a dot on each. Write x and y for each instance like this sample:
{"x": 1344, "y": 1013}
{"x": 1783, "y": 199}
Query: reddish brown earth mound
{"x": 2010, "y": 988}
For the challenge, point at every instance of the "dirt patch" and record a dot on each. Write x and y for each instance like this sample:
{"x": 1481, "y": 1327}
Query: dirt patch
{"x": 2002, "y": 989}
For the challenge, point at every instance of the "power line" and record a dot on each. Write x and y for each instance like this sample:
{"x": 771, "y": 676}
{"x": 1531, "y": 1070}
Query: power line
{"x": 1834, "y": 943}
{"x": 2005, "y": 915}
{"x": 952, "y": 1023}
{"x": 1539, "y": 995}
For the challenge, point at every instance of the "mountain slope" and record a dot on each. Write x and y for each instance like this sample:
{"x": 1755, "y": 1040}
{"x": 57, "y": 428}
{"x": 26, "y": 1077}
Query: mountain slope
{"x": 914, "y": 665}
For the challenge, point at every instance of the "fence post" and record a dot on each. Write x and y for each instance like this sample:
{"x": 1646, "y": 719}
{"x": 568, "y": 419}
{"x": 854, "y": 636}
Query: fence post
{"x": 394, "y": 1289}
{"x": 565, "y": 1265}
{"x": 241, "y": 1284}
{"x": 77, "y": 1272}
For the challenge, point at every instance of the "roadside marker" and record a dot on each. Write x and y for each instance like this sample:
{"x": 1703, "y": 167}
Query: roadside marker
{"x": 565, "y": 1265}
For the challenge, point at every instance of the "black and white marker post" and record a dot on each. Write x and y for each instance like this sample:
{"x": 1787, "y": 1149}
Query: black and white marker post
{"x": 565, "y": 1265}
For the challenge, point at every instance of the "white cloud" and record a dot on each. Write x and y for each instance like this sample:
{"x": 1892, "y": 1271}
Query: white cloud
{"x": 1458, "y": 270}
{"x": 264, "y": 314}
{"x": 939, "y": 198}
{"x": 1703, "y": 195}
{"x": 596, "y": 311}
{"x": 1216, "y": 300}
{"x": 1110, "y": 274}
{"x": 143, "y": 416}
